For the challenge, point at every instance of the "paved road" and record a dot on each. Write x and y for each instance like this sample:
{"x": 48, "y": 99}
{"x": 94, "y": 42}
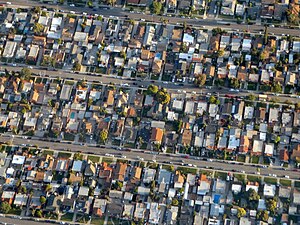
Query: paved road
{"x": 11, "y": 221}
{"x": 161, "y": 158}
{"x": 107, "y": 79}
{"x": 119, "y": 12}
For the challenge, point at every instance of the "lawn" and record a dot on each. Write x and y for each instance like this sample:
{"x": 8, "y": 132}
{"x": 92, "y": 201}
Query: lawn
{"x": 122, "y": 161}
{"x": 285, "y": 182}
{"x": 255, "y": 159}
{"x": 97, "y": 220}
{"x": 144, "y": 146}
{"x": 69, "y": 137}
{"x": 270, "y": 180}
{"x": 186, "y": 170}
{"x": 239, "y": 177}
{"x": 154, "y": 77}
{"x": 152, "y": 165}
{"x": 206, "y": 172}
{"x": 94, "y": 159}
{"x": 241, "y": 158}
{"x": 252, "y": 178}
{"x": 168, "y": 167}
{"x": 297, "y": 184}
{"x": 220, "y": 175}
{"x": 67, "y": 217}
{"x": 48, "y": 152}
{"x": 107, "y": 160}
{"x": 64, "y": 155}
{"x": 129, "y": 145}
{"x": 82, "y": 218}
{"x": 15, "y": 211}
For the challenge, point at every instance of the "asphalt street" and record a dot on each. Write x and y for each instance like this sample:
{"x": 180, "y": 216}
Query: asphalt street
{"x": 137, "y": 154}
{"x": 120, "y": 12}
{"x": 16, "y": 221}
{"x": 173, "y": 87}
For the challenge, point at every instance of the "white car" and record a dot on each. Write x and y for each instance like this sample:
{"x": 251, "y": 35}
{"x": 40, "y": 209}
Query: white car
{"x": 72, "y": 5}
{"x": 8, "y": 3}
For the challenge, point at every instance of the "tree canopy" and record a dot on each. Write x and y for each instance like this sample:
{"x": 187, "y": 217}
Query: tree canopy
{"x": 200, "y": 80}
{"x": 103, "y": 136}
{"x": 38, "y": 28}
{"x": 163, "y": 97}
{"x": 156, "y": 7}
{"x": 241, "y": 212}
{"x": 25, "y": 73}
{"x": 252, "y": 195}
{"x": 5, "y": 207}
{"x": 276, "y": 87}
{"x": 43, "y": 200}
{"x": 152, "y": 89}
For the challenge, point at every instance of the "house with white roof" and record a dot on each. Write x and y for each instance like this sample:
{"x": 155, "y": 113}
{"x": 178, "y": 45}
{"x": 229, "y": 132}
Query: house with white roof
{"x": 154, "y": 215}
{"x": 269, "y": 190}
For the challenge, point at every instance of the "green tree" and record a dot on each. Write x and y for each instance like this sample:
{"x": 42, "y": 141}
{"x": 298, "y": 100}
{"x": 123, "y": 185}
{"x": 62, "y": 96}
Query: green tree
{"x": 241, "y": 212}
{"x": 264, "y": 55}
{"x": 5, "y": 207}
{"x": 119, "y": 185}
{"x": 212, "y": 100}
{"x": 38, "y": 28}
{"x": 277, "y": 139}
{"x": 276, "y": 87}
{"x": 38, "y": 213}
{"x": 25, "y": 73}
{"x": 220, "y": 52}
{"x": 77, "y": 66}
{"x": 48, "y": 187}
{"x": 163, "y": 97}
{"x": 234, "y": 82}
{"x": 272, "y": 205}
{"x": 37, "y": 10}
{"x": 42, "y": 200}
{"x": 263, "y": 215}
{"x": 252, "y": 97}
{"x": 175, "y": 202}
{"x": 103, "y": 136}
{"x": 252, "y": 195}
{"x": 156, "y": 7}
{"x": 152, "y": 89}
{"x": 200, "y": 80}
{"x": 217, "y": 30}
{"x": 90, "y": 4}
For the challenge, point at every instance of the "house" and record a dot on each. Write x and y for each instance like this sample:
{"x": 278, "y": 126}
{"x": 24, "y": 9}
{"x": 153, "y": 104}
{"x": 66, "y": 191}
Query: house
{"x": 273, "y": 115}
{"x": 8, "y": 196}
{"x": 269, "y": 190}
{"x": 204, "y": 185}
{"x": 154, "y": 214}
{"x": 119, "y": 171}
{"x": 257, "y": 147}
{"x": 296, "y": 153}
{"x": 186, "y": 137}
{"x": 284, "y": 155}
{"x": 156, "y": 135}
{"x": 21, "y": 200}
{"x": 228, "y": 7}
{"x": 140, "y": 210}
{"x": 244, "y": 144}
{"x": 149, "y": 175}
{"x": 9, "y": 50}
{"x": 33, "y": 53}
{"x": 99, "y": 206}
